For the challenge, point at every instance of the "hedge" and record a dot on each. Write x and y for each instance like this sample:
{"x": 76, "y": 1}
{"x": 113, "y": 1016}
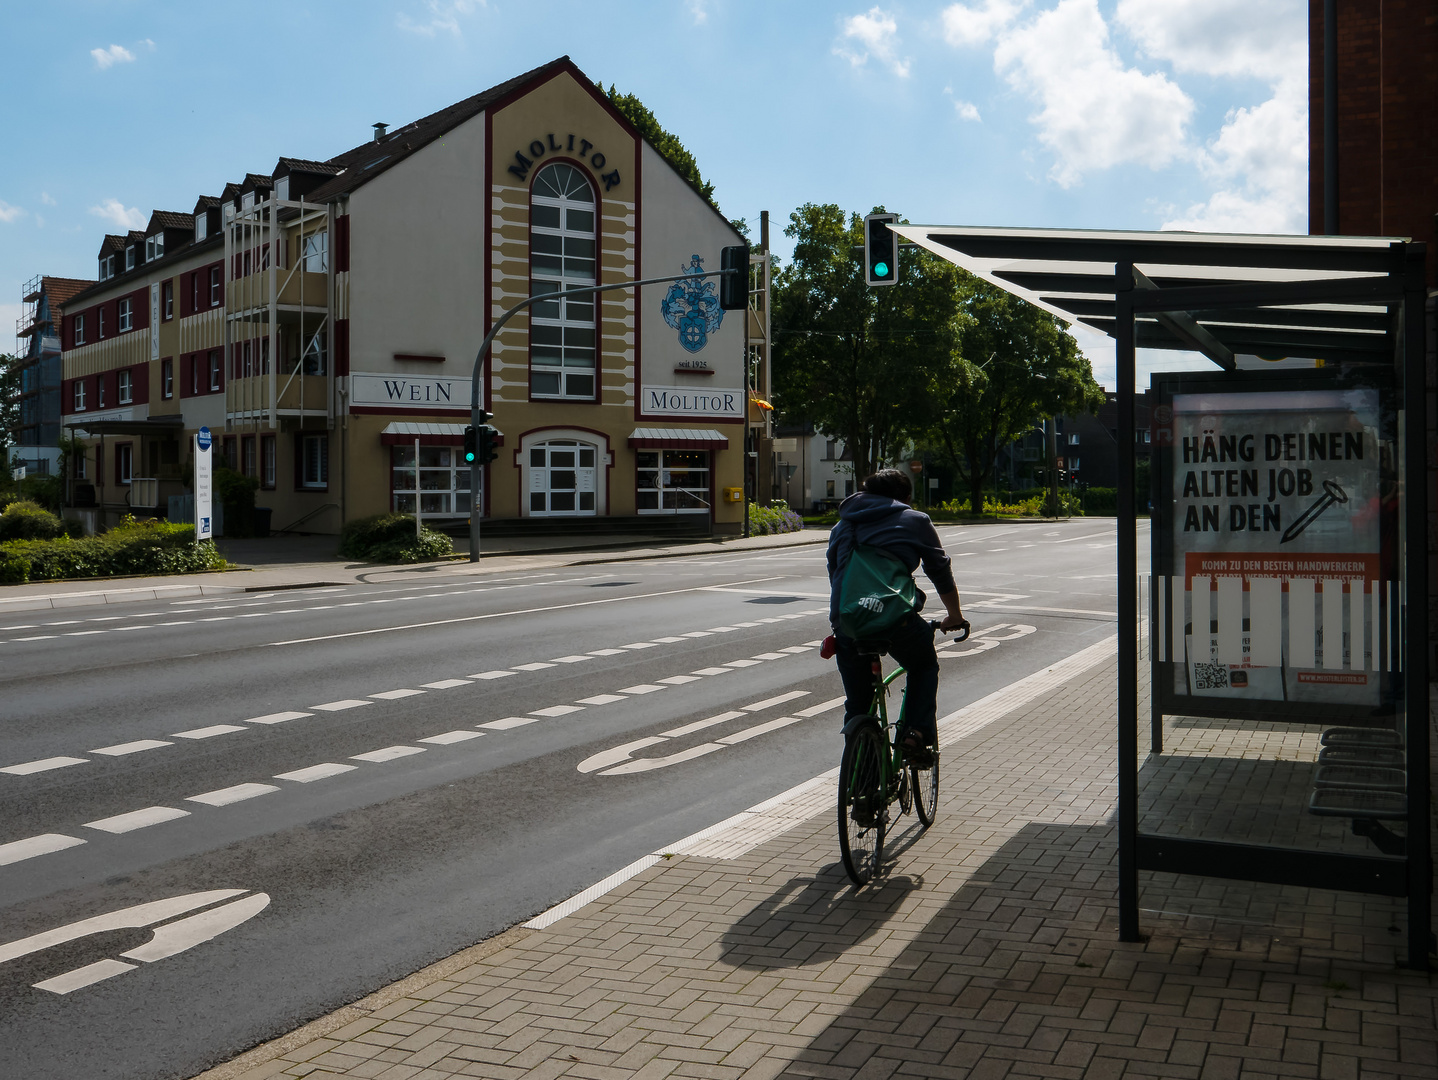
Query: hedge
{"x": 132, "y": 547}
{"x": 776, "y": 518}
{"x": 390, "y": 538}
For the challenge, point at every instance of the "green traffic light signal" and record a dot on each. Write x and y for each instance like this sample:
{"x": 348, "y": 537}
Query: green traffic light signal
{"x": 881, "y": 249}
{"x": 881, "y": 269}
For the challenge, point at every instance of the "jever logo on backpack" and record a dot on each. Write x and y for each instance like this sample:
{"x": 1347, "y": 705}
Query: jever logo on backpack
{"x": 877, "y": 595}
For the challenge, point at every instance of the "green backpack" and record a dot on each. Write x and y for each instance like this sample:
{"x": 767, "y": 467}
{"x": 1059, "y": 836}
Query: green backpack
{"x": 877, "y": 594}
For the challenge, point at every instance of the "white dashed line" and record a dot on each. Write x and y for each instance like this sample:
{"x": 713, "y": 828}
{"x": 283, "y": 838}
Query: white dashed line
{"x": 815, "y": 710}
{"x": 557, "y": 710}
{"x": 667, "y": 640}
{"x": 451, "y": 737}
{"x": 238, "y": 793}
{"x": 316, "y": 772}
{"x": 771, "y": 702}
{"x": 640, "y": 645}
{"x": 32, "y": 846}
{"x": 43, "y": 765}
{"x": 277, "y": 718}
{"x": 137, "y": 819}
{"x": 700, "y": 725}
{"x": 208, "y": 732}
{"x": 121, "y": 749}
{"x": 492, "y": 675}
{"x": 742, "y": 663}
{"x": 700, "y": 633}
{"x": 510, "y": 722}
{"x": 711, "y": 671}
{"x": 540, "y": 666}
{"x": 340, "y": 706}
{"x": 570, "y": 659}
{"x": 395, "y": 695}
{"x": 443, "y": 684}
{"x": 769, "y": 656}
{"x": 678, "y": 680}
{"x": 389, "y": 753}
{"x": 606, "y": 652}
{"x": 601, "y": 699}
{"x": 759, "y": 729}
{"x": 85, "y": 976}
{"x": 641, "y": 688}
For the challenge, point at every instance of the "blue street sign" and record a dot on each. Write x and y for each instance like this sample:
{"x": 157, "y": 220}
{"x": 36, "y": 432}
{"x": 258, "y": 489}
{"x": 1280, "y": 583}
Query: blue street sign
{"x": 203, "y": 438}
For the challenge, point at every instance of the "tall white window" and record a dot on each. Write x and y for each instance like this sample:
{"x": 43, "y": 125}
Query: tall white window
{"x": 563, "y": 478}
{"x": 127, "y": 387}
{"x": 202, "y": 224}
{"x": 130, "y": 257}
{"x": 314, "y": 461}
{"x": 124, "y": 462}
{"x": 127, "y": 314}
{"x": 562, "y": 256}
{"x": 79, "y": 395}
{"x": 316, "y": 252}
{"x": 79, "y": 329}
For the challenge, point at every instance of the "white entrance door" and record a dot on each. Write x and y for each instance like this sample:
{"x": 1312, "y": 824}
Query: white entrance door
{"x": 563, "y": 479}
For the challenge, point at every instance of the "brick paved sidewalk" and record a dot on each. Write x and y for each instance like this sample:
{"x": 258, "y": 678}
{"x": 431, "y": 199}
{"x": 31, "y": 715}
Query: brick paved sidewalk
{"x": 989, "y": 950}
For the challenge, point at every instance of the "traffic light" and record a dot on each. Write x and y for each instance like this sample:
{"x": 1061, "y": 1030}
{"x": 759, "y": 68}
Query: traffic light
{"x": 471, "y": 444}
{"x": 881, "y": 250}
{"x": 734, "y": 287}
{"x": 487, "y": 452}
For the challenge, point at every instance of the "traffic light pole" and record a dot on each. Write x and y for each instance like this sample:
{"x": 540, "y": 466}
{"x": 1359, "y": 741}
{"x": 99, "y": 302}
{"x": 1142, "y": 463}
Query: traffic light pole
{"x": 475, "y": 508}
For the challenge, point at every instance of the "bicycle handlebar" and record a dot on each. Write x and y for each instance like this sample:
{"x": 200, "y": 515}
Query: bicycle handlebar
{"x": 961, "y": 634}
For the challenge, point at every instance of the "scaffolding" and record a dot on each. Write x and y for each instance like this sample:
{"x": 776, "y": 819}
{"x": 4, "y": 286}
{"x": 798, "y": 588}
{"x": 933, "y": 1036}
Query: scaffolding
{"x": 279, "y": 306}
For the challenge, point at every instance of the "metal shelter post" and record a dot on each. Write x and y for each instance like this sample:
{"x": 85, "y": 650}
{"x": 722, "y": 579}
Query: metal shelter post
{"x": 1127, "y": 612}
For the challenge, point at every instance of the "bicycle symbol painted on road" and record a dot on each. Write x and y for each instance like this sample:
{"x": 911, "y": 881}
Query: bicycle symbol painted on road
{"x": 988, "y": 638}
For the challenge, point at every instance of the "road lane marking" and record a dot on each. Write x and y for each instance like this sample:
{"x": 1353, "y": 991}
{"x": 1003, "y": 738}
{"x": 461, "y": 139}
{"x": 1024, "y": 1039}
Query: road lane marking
{"x": 43, "y": 765}
{"x": 388, "y": 753}
{"x": 639, "y": 645}
{"x": 570, "y": 659}
{"x": 316, "y": 772}
{"x": 640, "y": 688}
{"x": 667, "y": 640}
{"x": 1089, "y": 536}
{"x": 613, "y": 756}
{"x": 1025, "y": 609}
{"x": 722, "y": 629}
{"x": 759, "y": 729}
{"x": 449, "y": 737}
{"x": 492, "y": 675}
{"x": 742, "y": 663}
{"x": 443, "y": 684}
{"x": 823, "y": 707}
{"x": 277, "y": 718}
{"x": 700, "y": 633}
{"x": 182, "y": 934}
{"x": 137, "y": 819}
{"x": 32, "y": 846}
{"x": 601, "y": 699}
{"x": 649, "y": 764}
{"x": 678, "y": 680}
{"x": 121, "y": 749}
{"x": 711, "y": 671}
{"x": 208, "y": 732}
{"x": 770, "y": 702}
{"x": 700, "y": 725}
{"x": 229, "y": 795}
{"x": 540, "y": 666}
{"x": 768, "y": 656}
{"x": 395, "y": 695}
{"x": 37, "y": 637}
{"x": 85, "y": 976}
{"x": 795, "y": 650}
{"x": 510, "y": 722}
{"x": 340, "y": 706}
{"x": 557, "y": 710}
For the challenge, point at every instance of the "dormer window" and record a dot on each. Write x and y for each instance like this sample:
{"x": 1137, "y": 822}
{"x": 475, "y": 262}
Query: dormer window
{"x": 282, "y": 188}
{"x": 130, "y": 258}
{"x": 154, "y": 247}
{"x": 105, "y": 264}
{"x": 247, "y": 200}
{"x": 202, "y": 223}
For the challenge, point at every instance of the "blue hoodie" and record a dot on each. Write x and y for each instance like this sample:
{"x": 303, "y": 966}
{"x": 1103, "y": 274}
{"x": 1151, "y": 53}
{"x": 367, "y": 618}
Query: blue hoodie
{"x": 882, "y": 522}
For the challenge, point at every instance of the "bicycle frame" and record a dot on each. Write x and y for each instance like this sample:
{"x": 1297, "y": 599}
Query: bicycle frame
{"x": 893, "y": 761}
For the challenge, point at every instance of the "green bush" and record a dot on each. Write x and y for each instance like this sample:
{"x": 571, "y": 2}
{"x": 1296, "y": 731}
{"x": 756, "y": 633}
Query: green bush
{"x": 236, "y": 493}
{"x": 132, "y": 547}
{"x": 774, "y": 518}
{"x": 29, "y": 521}
{"x": 390, "y": 538}
{"x": 1104, "y": 501}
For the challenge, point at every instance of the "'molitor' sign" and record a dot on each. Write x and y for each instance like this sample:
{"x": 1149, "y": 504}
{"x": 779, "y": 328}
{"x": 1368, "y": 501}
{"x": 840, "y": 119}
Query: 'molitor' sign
{"x": 1270, "y": 584}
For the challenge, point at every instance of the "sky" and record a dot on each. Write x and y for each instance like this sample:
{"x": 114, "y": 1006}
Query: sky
{"x": 1126, "y": 114}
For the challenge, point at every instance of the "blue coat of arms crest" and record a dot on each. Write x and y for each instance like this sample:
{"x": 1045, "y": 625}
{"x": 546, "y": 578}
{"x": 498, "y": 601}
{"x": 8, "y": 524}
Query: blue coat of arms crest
{"x": 692, "y": 308}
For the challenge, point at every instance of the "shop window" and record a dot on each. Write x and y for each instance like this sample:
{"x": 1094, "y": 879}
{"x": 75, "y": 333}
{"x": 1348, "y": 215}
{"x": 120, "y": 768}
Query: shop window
{"x": 124, "y": 460}
{"x": 672, "y": 481}
{"x": 440, "y": 483}
{"x": 127, "y": 388}
{"x": 267, "y": 462}
{"x": 314, "y": 461}
{"x": 563, "y": 478}
{"x": 562, "y": 249}
{"x": 167, "y": 377}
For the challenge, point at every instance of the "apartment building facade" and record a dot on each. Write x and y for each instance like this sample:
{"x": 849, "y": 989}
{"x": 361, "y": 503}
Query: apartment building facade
{"x": 323, "y": 320}
{"x": 35, "y": 440}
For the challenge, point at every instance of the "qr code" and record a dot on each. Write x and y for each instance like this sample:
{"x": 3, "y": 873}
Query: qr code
{"x": 1210, "y": 676}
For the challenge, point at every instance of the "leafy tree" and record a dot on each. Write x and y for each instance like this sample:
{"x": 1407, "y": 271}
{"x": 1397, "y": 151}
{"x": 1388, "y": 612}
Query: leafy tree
{"x": 668, "y": 145}
{"x": 9, "y": 404}
{"x": 864, "y": 365}
{"x": 1017, "y": 365}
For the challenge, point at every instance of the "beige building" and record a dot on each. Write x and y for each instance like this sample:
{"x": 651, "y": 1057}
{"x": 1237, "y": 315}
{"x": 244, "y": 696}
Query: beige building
{"x": 322, "y": 320}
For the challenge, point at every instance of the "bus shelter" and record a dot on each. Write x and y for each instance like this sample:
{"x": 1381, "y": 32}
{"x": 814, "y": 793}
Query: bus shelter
{"x": 1276, "y": 634}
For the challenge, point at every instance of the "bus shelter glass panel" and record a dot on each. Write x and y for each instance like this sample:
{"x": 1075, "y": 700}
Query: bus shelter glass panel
{"x": 1274, "y": 651}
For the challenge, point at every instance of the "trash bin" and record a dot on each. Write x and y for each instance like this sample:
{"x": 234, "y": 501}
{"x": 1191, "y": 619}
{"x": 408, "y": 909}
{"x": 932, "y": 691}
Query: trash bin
{"x": 262, "y": 515}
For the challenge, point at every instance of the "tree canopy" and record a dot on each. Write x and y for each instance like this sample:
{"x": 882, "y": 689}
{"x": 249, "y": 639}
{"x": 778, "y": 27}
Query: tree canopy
{"x": 668, "y": 145}
{"x": 865, "y": 365}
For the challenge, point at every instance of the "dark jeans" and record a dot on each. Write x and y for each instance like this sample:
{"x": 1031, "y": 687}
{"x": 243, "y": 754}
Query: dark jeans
{"x": 911, "y": 646}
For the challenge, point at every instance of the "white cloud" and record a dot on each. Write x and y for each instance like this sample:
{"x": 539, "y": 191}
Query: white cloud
{"x": 1096, "y": 113}
{"x": 115, "y": 212}
{"x": 964, "y": 25}
{"x": 115, "y": 54}
{"x": 444, "y": 16}
{"x": 967, "y": 110}
{"x": 698, "y": 11}
{"x": 873, "y": 34}
{"x": 10, "y": 213}
{"x": 1267, "y": 40}
{"x": 48, "y": 199}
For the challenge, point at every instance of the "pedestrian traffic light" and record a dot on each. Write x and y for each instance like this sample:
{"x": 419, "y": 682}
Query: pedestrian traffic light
{"x": 881, "y": 250}
{"x": 471, "y": 444}
{"x": 734, "y": 286}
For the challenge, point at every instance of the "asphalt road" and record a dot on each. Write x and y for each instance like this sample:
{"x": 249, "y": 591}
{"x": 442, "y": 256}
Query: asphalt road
{"x": 363, "y": 780}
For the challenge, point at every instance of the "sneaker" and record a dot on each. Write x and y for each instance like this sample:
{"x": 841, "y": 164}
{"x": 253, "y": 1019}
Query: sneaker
{"x": 916, "y": 753}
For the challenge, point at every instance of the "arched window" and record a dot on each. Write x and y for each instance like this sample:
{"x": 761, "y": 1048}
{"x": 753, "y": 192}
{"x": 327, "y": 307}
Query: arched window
{"x": 561, "y": 256}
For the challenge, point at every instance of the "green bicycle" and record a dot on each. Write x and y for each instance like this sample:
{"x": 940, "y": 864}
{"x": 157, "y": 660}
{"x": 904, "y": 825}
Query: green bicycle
{"x": 873, "y": 776}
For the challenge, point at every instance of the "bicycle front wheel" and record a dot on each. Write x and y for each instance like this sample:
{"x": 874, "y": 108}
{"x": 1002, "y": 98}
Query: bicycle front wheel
{"x": 863, "y": 811}
{"x": 926, "y": 791}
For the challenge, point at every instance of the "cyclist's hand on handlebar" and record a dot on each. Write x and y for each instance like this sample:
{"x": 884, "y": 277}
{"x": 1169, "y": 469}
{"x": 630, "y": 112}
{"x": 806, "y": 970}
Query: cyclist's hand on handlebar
{"x": 956, "y": 624}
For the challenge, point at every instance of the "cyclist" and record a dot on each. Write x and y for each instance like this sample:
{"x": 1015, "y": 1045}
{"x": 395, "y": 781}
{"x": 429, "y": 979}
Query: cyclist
{"x": 880, "y": 516}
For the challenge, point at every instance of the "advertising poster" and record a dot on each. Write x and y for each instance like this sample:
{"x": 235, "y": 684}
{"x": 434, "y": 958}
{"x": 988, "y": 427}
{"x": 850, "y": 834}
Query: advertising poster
{"x": 1271, "y": 587}
{"x": 204, "y": 443}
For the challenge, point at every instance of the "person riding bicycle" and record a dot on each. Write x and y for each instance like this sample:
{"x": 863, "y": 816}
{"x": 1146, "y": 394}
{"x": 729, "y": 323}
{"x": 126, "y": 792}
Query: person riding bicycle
{"x": 880, "y": 516}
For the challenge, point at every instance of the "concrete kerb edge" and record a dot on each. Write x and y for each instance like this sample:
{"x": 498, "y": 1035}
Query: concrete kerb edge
{"x": 365, "y": 1007}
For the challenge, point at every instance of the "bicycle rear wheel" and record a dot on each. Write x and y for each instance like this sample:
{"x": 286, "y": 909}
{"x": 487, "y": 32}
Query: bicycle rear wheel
{"x": 863, "y": 811}
{"x": 926, "y": 791}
